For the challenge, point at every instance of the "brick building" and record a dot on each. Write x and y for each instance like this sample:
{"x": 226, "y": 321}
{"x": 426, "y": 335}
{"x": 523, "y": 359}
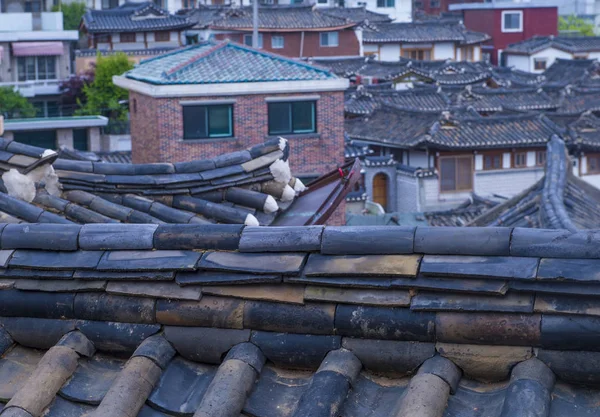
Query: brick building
{"x": 219, "y": 97}
{"x": 297, "y": 31}
{"x": 508, "y": 23}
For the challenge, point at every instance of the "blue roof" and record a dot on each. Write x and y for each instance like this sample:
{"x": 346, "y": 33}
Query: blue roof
{"x": 213, "y": 62}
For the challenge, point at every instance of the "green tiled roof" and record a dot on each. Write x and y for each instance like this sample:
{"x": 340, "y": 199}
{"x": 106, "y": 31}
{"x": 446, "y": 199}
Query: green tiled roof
{"x": 213, "y": 62}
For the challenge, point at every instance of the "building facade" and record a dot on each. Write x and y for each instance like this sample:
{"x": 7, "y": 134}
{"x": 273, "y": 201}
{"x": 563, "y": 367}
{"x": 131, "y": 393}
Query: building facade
{"x": 35, "y": 52}
{"x": 507, "y": 23}
{"x": 196, "y": 103}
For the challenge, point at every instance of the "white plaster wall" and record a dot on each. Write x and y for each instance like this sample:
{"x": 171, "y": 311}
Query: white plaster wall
{"x": 402, "y": 12}
{"x": 407, "y": 193}
{"x": 506, "y": 160}
{"x": 432, "y": 199}
{"x": 520, "y": 62}
{"x": 443, "y": 50}
{"x": 390, "y": 52}
{"x": 417, "y": 159}
{"x": 507, "y": 183}
{"x": 94, "y": 139}
{"x": 64, "y": 137}
{"x": 592, "y": 179}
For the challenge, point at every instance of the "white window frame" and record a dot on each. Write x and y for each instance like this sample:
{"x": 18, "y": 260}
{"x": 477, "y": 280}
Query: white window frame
{"x": 328, "y": 45}
{"x": 278, "y": 45}
{"x": 260, "y": 40}
{"x": 510, "y": 30}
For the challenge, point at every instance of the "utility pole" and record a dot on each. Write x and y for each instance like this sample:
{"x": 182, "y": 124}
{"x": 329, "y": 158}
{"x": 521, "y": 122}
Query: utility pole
{"x": 255, "y": 24}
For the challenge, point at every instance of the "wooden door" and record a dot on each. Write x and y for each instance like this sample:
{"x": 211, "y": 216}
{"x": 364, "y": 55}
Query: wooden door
{"x": 380, "y": 187}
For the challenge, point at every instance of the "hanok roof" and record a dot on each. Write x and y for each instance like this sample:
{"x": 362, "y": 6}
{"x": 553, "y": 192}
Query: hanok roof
{"x": 492, "y": 100}
{"x": 462, "y": 215}
{"x": 364, "y": 101}
{"x": 356, "y": 14}
{"x": 391, "y": 125}
{"x": 570, "y": 71}
{"x": 566, "y": 43}
{"x": 427, "y": 31}
{"x": 364, "y": 321}
{"x": 252, "y": 186}
{"x": 400, "y": 127}
{"x": 558, "y": 201}
{"x": 211, "y": 62}
{"x": 584, "y": 132}
{"x": 133, "y": 17}
{"x": 509, "y": 77}
{"x": 285, "y": 18}
{"x": 579, "y": 100}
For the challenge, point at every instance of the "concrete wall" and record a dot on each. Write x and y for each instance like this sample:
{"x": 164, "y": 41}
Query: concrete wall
{"x": 407, "y": 196}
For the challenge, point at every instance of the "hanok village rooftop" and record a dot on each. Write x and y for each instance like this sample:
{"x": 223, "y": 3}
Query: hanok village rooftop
{"x": 213, "y": 288}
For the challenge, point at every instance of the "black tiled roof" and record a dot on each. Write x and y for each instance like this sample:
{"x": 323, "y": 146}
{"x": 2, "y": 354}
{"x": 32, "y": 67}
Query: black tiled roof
{"x": 572, "y": 44}
{"x": 356, "y": 14}
{"x": 570, "y": 71}
{"x": 510, "y": 77}
{"x": 427, "y": 31}
{"x": 558, "y": 201}
{"x": 578, "y": 100}
{"x": 365, "y": 101}
{"x": 486, "y": 100}
{"x": 252, "y": 186}
{"x": 407, "y": 128}
{"x": 309, "y": 321}
{"x": 133, "y": 17}
{"x": 584, "y": 132}
{"x": 286, "y": 17}
{"x": 462, "y": 215}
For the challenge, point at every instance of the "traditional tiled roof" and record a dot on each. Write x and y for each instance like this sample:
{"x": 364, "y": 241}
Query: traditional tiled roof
{"x": 344, "y": 67}
{"x": 493, "y": 100}
{"x": 558, "y": 201}
{"x": 364, "y": 101}
{"x": 565, "y": 43}
{"x": 579, "y": 100}
{"x": 203, "y": 15}
{"x": 407, "y": 128}
{"x": 462, "y": 215}
{"x": 363, "y": 321}
{"x": 391, "y": 125}
{"x": 427, "y": 31}
{"x": 133, "y": 17}
{"x": 570, "y": 71}
{"x": 252, "y": 186}
{"x": 356, "y": 14}
{"x": 281, "y": 17}
{"x": 584, "y": 132}
{"x": 498, "y": 131}
{"x": 510, "y": 77}
{"x": 211, "y": 62}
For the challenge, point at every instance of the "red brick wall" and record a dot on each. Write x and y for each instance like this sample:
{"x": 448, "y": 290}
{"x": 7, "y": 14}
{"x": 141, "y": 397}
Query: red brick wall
{"x": 348, "y": 44}
{"x": 157, "y": 132}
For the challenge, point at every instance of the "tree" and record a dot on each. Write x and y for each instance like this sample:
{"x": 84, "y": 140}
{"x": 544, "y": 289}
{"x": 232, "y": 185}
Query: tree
{"x": 14, "y": 105}
{"x": 575, "y": 24}
{"x": 72, "y": 95}
{"x": 102, "y": 96}
{"x": 72, "y": 14}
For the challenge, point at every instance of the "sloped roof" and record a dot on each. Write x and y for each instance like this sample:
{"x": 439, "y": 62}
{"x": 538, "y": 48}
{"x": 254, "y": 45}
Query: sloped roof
{"x": 364, "y": 100}
{"x": 566, "y": 43}
{"x": 569, "y": 71}
{"x": 133, "y": 17}
{"x": 509, "y": 77}
{"x": 579, "y": 100}
{"x": 252, "y": 186}
{"x": 426, "y": 31}
{"x": 558, "y": 201}
{"x": 484, "y": 100}
{"x": 462, "y": 215}
{"x": 212, "y": 62}
{"x": 281, "y": 17}
{"x": 356, "y": 14}
{"x": 263, "y": 322}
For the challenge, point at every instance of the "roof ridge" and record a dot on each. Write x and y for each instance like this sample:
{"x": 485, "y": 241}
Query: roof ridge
{"x": 196, "y": 58}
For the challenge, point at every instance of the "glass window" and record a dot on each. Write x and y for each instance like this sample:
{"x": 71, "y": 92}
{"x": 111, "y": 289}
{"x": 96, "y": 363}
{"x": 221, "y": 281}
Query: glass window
{"x": 539, "y": 63}
{"x": 294, "y": 117}
{"x": 512, "y": 21}
{"x": 329, "y": 39}
{"x": 127, "y": 37}
{"x": 162, "y": 36}
{"x": 277, "y": 42}
{"x": 456, "y": 173}
{"x": 248, "y": 40}
{"x": 80, "y": 139}
{"x": 434, "y": 4}
{"x": 593, "y": 164}
{"x": 492, "y": 161}
{"x": 32, "y": 68}
{"x": 201, "y": 122}
{"x": 520, "y": 160}
{"x": 322, "y": 1}
{"x": 386, "y": 3}
{"x": 540, "y": 158}
{"x": 110, "y": 4}
{"x": 417, "y": 54}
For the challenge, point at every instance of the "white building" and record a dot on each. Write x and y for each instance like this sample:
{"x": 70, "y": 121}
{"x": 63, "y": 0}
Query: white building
{"x": 538, "y": 53}
{"x": 35, "y": 52}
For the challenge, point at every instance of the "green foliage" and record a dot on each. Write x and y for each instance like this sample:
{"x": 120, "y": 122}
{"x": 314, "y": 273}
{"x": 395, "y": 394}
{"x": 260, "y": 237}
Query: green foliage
{"x": 575, "y": 24}
{"x": 72, "y": 14}
{"x": 14, "y": 105}
{"x": 102, "y": 96}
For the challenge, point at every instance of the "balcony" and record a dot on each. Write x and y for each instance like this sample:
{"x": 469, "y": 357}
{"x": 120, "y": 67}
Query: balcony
{"x": 34, "y": 88}
{"x": 28, "y": 22}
